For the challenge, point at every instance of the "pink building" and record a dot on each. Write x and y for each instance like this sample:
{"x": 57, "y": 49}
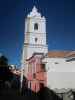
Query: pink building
{"x": 36, "y": 72}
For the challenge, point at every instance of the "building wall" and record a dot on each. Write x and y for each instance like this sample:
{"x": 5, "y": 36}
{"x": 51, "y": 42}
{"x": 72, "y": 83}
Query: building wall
{"x": 30, "y": 49}
{"x": 36, "y": 75}
{"x": 30, "y": 21}
{"x": 60, "y": 74}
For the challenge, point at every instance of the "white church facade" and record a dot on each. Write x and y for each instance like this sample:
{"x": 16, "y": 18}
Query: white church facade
{"x": 60, "y": 65}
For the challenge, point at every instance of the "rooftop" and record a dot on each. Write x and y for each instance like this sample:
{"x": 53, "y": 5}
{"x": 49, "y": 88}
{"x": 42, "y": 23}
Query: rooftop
{"x": 61, "y": 54}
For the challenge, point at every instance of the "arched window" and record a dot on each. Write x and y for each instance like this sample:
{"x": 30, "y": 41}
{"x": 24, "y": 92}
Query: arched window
{"x": 35, "y": 26}
{"x": 36, "y": 39}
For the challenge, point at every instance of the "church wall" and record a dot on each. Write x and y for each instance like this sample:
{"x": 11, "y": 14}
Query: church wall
{"x": 41, "y": 25}
{"x": 61, "y": 80}
{"x": 34, "y": 49}
{"x": 40, "y": 39}
{"x": 60, "y": 74}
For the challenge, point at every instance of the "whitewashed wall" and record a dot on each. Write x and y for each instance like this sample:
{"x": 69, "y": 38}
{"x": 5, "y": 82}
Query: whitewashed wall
{"x": 60, "y": 74}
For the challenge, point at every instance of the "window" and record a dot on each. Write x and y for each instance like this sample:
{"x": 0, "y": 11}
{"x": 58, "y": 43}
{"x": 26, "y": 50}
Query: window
{"x": 43, "y": 67}
{"x": 30, "y": 68}
{"x": 35, "y": 26}
{"x": 41, "y": 85}
{"x": 70, "y": 59}
{"x": 36, "y": 39}
{"x": 34, "y": 75}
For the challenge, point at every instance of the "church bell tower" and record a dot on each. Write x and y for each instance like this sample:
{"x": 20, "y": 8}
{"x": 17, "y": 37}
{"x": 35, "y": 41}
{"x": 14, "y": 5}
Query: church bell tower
{"x": 35, "y": 35}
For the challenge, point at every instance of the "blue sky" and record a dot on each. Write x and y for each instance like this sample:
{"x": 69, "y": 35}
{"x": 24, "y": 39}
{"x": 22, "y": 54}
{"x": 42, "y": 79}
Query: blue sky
{"x": 60, "y": 15}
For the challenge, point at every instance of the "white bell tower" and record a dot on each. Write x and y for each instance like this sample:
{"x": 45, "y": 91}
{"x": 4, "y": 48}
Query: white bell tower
{"x": 35, "y": 34}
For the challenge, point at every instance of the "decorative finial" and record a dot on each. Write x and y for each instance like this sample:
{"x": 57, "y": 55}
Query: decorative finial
{"x": 34, "y": 9}
{"x": 35, "y": 13}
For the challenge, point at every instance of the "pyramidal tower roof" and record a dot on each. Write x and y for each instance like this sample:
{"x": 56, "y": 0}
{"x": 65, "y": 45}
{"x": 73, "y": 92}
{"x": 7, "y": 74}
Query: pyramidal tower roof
{"x": 34, "y": 13}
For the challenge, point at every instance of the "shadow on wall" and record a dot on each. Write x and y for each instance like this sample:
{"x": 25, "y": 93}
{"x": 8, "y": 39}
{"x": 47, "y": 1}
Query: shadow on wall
{"x": 47, "y": 94}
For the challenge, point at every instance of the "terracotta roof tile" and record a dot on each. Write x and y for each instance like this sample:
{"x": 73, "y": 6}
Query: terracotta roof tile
{"x": 61, "y": 54}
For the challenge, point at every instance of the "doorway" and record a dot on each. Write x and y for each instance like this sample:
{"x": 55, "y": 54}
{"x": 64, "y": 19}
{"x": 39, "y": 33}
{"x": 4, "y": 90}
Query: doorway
{"x": 41, "y": 86}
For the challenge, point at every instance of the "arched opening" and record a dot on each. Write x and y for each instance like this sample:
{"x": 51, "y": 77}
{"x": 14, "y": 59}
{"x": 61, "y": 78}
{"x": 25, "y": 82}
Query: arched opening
{"x": 36, "y": 39}
{"x": 35, "y": 26}
{"x": 41, "y": 86}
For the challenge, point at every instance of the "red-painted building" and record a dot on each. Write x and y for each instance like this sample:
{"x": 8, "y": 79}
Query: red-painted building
{"x": 36, "y": 72}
